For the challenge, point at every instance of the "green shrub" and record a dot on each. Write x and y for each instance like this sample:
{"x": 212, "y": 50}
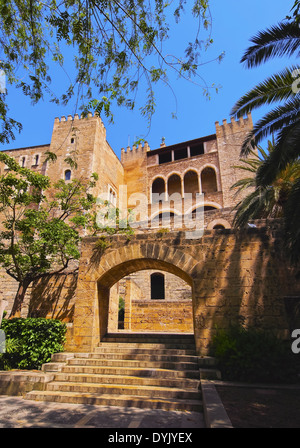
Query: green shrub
{"x": 252, "y": 355}
{"x": 34, "y": 341}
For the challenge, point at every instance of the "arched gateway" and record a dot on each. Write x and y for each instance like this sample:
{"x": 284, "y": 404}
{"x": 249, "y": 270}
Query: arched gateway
{"x": 231, "y": 275}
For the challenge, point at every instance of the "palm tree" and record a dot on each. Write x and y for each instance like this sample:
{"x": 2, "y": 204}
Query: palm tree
{"x": 284, "y": 119}
{"x": 264, "y": 201}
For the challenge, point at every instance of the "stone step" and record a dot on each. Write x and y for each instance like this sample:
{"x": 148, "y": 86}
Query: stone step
{"x": 59, "y": 359}
{"x": 122, "y": 335}
{"x": 133, "y": 363}
{"x": 115, "y": 348}
{"x": 154, "y": 371}
{"x": 151, "y": 338}
{"x": 143, "y": 372}
{"x": 148, "y": 345}
{"x": 143, "y": 402}
{"x": 138, "y": 357}
{"x": 122, "y": 389}
{"x": 181, "y": 383}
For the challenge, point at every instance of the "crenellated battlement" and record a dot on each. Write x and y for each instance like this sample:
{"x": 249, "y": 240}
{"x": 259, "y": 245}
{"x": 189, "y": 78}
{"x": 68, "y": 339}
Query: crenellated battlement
{"x": 134, "y": 152}
{"x": 234, "y": 126}
{"x": 76, "y": 117}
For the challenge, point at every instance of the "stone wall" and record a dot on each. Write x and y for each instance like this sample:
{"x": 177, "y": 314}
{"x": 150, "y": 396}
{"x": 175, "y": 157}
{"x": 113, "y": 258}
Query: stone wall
{"x": 27, "y": 157}
{"x": 162, "y": 316}
{"x": 84, "y": 139}
{"x": 232, "y": 274}
{"x": 171, "y": 314}
{"x": 134, "y": 162}
{"x": 230, "y": 137}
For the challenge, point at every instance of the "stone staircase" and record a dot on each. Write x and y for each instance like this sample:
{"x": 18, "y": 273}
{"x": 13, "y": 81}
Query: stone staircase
{"x": 154, "y": 371}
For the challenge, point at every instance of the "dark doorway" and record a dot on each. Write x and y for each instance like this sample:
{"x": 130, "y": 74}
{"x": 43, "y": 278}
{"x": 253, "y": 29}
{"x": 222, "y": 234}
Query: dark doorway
{"x": 157, "y": 286}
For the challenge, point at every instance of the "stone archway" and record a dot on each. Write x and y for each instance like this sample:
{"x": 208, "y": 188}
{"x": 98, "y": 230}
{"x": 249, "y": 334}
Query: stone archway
{"x": 96, "y": 278}
{"x": 232, "y": 274}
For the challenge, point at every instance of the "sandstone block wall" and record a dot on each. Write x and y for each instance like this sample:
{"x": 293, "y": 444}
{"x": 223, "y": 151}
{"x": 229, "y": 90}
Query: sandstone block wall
{"x": 230, "y": 137}
{"x": 171, "y": 314}
{"x": 161, "y": 316}
{"x": 85, "y": 140}
{"x": 232, "y": 275}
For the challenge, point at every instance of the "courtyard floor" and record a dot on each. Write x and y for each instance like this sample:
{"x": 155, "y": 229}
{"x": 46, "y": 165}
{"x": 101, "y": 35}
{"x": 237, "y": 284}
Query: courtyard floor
{"x": 16, "y": 412}
{"x": 261, "y": 406}
{"x": 256, "y": 406}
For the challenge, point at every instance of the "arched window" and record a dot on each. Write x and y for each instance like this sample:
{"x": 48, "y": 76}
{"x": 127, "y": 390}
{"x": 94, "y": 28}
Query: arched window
{"x": 112, "y": 197}
{"x": 164, "y": 219}
{"x": 157, "y": 286}
{"x": 209, "y": 180}
{"x": 158, "y": 190}
{"x": 198, "y": 212}
{"x": 208, "y": 208}
{"x": 174, "y": 184}
{"x": 191, "y": 185}
{"x": 218, "y": 226}
{"x": 68, "y": 175}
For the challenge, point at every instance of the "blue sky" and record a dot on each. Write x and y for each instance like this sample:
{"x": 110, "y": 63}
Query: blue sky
{"x": 233, "y": 23}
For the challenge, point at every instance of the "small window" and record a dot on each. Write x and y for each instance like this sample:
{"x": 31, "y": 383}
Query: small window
{"x": 23, "y": 162}
{"x": 165, "y": 157}
{"x": 197, "y": 150}
{"x": 218, "y": 227}
{"x": 68, "y": 175}
{"x": 157, "y": 286}
{"x": 112, "y": 197}
{"x": 180, "y": 154}
{"x": 72, "y": 140}
{"x": 36, "y": 159}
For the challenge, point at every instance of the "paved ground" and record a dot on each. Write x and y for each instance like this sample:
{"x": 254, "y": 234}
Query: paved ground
{"x": 15, "y": 412}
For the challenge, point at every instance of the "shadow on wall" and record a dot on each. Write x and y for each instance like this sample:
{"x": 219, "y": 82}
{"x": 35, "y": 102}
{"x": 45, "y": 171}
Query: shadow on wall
{"x": 244, "y": 279}
{"x": 53, "y": 297}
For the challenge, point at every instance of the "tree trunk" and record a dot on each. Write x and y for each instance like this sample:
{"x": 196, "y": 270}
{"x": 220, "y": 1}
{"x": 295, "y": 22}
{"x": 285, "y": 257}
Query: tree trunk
{"x": 19, "y": 298}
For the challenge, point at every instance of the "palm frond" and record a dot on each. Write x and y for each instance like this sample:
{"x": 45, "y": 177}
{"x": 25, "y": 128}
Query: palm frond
{"x": 280, "y": 40}
{"x": 246, "y": 181}
{"x": 276, "y": 88}
{"x": 285, "y": 151}
{"x": 250, "y": 208}
{"x": 273, "y": 122}
{"x": 243, "y": 184}
{"x": 250, "y": 165}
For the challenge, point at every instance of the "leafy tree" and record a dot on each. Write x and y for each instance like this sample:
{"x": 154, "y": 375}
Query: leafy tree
{"x": 40, "y": 231}
{"x": 114, "y": 44}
